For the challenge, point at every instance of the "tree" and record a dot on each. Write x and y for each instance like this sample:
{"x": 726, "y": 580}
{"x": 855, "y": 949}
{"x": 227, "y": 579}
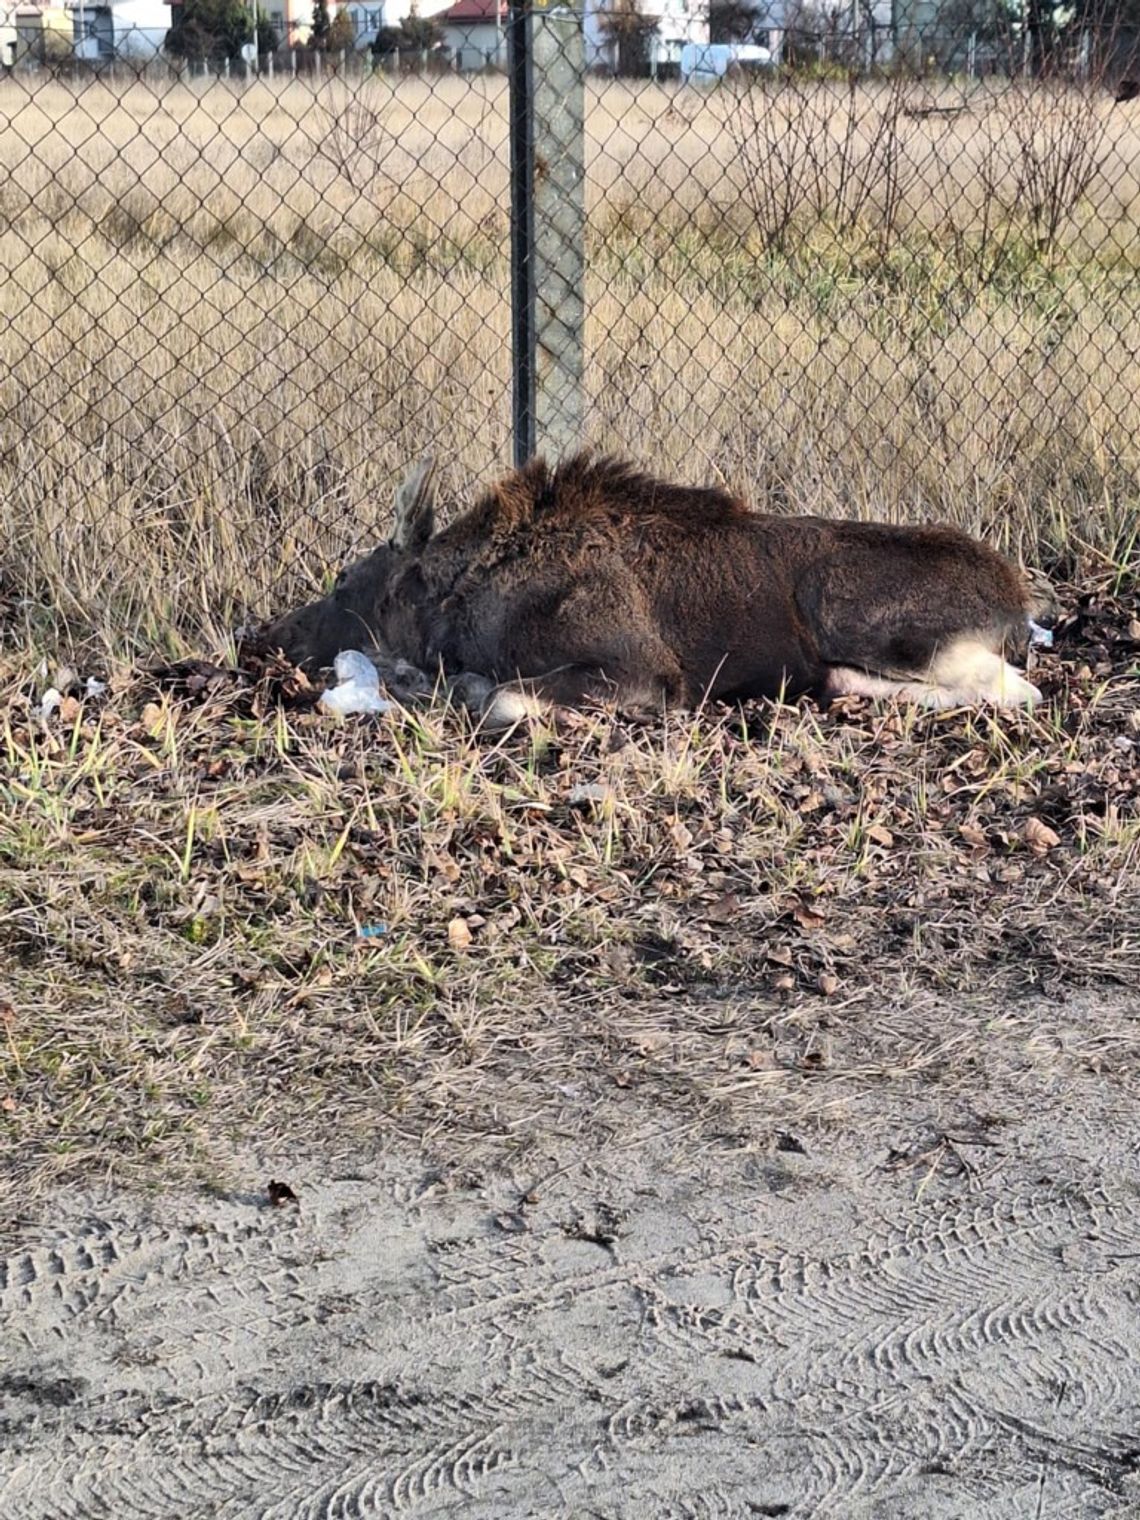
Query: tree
{"x": 209, "y": 29}
{"x": 631, "y": 31}
{"x": 322, "y": 25}
{"x": 1106, "y": 33}
{"x": 415, "y": 34}
{"x": 342, "y": 33}
{"x": 387, "y": 40}
{"x": 268, "y": 40}
{"x": 732, "y": 20}
{"x": 421, "y": 33}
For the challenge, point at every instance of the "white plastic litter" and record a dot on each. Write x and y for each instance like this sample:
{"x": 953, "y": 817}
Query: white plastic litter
{"x": 1041, "y": 637}
{"x": 94, "y": 688}
{"x": 50, "y": 700}
{"x": 358, "y": 686}
{"x": 587, "y": 792}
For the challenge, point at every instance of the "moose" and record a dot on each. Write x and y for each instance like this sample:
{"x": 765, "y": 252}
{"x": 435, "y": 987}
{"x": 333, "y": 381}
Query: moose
{"x": 592, "y": 580}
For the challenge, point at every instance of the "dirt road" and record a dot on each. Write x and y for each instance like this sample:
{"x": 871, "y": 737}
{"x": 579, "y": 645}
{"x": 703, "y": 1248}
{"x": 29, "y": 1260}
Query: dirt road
{"x": 622, "y": 1314}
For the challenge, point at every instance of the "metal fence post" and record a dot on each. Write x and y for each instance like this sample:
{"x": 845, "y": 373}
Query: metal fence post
{"x": 521, "y": 75}
{"x": 546, "y": 63}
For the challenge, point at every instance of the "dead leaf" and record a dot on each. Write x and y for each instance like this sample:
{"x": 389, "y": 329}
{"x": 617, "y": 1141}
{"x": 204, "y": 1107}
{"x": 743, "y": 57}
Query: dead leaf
{"x": 761, "y": 1060}
{"x": 1039, "y": 836}
{"x": 616, "y": 961}
{"x": 152, "y": 718}
{"x": 443, "y": 865}
{"x": 879, "y": 835}
{"x": 828, "y": 983}
{"x": 807, "y": 917}
{"x": 681, "y": 836}
{"x": 725, "y": 910}
{"x": 653, "y": 1040}
{"x": 458, "y": 934}
{"x": 972, "y": 834}
{"x": 69, "y": 709}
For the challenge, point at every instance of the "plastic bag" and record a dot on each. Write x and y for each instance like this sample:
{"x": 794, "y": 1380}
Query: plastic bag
{"x": 358, "y": 686}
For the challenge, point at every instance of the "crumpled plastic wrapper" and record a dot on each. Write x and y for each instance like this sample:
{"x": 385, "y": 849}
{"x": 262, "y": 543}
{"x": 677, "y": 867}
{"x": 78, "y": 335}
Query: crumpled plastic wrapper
{"x": 357, "y": 688}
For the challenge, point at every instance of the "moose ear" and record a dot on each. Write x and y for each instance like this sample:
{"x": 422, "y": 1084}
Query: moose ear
{"x": 415, "y": 507}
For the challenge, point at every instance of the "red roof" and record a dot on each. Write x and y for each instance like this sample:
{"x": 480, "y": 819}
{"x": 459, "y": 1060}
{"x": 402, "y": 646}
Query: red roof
{"x": 471, "y": 11}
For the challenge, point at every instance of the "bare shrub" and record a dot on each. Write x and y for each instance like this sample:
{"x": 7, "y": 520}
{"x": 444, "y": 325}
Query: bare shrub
{"x": 822, "y": 151}
{"x": 973, "y": 175}
{"x": 631, "y": 30}
{"x": 1058, "y": 133}
{"x": 355, "y": 139}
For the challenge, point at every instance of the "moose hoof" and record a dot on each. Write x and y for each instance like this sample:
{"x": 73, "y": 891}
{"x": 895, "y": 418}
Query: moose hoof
{"x": 471, "y": 691}
{"x": 505, "y": 709}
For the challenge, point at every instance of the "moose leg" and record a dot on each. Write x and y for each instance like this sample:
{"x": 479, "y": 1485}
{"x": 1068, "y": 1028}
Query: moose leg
{"x": 970, "y": 666}
{"x": 965, "y": 672}
{"x": 573, "y": 686}
{"x": 596, "y": 643}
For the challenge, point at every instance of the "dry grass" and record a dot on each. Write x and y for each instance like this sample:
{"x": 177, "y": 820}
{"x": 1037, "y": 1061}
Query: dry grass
{"x": 232, "y": 316}
{"x": 224, "y": 920}
{"x": 228, "y": 323}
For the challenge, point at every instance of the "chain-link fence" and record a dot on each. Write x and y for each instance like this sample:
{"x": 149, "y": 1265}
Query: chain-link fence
{"x": 241, "y": 293}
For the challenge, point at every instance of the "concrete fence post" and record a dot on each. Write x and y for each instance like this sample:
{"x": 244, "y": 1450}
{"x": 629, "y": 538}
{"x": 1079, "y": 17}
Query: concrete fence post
{"x": 548, "y": 225}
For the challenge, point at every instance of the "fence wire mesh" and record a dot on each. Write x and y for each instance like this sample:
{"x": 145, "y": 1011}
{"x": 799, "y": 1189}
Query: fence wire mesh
{"x": 235, "y": 309}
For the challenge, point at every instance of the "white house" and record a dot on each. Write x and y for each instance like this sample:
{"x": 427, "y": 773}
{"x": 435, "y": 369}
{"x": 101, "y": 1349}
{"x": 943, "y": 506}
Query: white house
{"x": 7, "y": 34}
{"x": 292, "y": 20}
{"x": 34, "y": 29}
{"x": 476, "y": 32}
{"x": 678, "y": 22}
{"x": 368, "y": 16}
{"x": 870, "y": 23}
{"x": 133, "y": 29}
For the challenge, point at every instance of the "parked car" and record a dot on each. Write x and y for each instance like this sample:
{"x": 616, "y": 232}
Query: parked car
{"x": 704, "y": 62}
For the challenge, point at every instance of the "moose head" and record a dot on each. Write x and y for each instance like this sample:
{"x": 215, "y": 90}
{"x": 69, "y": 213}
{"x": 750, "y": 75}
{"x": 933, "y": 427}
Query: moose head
{"x": 373, "y": 604}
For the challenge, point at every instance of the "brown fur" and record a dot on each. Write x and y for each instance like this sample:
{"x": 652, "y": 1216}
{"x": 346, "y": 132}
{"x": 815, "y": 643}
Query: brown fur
{"x": 597, "y": 579}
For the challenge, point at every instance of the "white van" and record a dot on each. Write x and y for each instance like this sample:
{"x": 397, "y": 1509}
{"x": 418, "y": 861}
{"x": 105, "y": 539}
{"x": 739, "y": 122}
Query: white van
{"x": 703, "y": 62}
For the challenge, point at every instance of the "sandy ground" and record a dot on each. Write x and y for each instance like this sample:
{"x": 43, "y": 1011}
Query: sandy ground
{"x": 628, "y": 1309}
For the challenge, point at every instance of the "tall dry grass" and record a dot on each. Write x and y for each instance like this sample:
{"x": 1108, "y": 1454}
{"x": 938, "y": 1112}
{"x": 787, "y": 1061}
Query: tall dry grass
{"x": 231, "y": 315}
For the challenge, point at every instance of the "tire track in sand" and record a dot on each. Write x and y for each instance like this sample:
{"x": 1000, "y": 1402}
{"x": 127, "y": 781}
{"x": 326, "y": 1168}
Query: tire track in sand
{"x": 378, "y": 1354}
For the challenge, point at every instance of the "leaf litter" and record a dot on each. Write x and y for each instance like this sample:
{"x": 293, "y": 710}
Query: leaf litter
{"x": 188, "y": 858}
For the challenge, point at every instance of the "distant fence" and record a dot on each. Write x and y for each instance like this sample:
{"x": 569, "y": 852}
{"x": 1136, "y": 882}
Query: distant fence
{"x": 866, "y": 274}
